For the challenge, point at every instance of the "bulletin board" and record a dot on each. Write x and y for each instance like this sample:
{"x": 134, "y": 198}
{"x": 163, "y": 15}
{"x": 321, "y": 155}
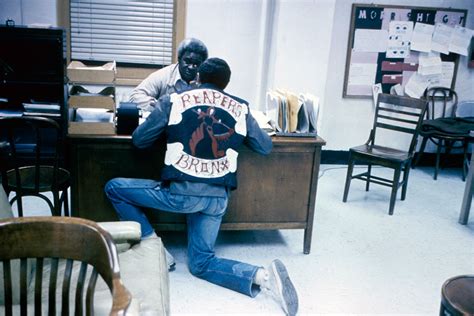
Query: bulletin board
{"x": 371, "y": 59}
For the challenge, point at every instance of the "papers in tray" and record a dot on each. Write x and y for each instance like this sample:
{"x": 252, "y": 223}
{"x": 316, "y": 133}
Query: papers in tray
{"x": 81, "y": 97}
{"x": 10, "y": 113}
{"x": 46, "y": 107}
{"x": 292, "y": 113}
{"x": 81, "y": 91}
{"x": 92, "y": 115}
{"x": 91, "y": 121}
{"x": 41, "y": 109}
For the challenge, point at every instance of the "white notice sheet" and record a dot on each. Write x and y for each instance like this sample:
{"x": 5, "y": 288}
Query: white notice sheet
{"x": 416, "y": 85}
{"x": 362, "y": 74}
{"x": 460, "y": 39}
{"x": 399, "y": 37}
{"x": 429, "y": 64}
{"x": 370, "y": 40}
{"x": 421, "y": 38}
{"x": 445, "y": 78}
{"x": 441, "y": 38}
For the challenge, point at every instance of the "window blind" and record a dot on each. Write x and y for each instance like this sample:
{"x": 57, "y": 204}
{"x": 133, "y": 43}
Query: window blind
{"x": 137, "y": 32}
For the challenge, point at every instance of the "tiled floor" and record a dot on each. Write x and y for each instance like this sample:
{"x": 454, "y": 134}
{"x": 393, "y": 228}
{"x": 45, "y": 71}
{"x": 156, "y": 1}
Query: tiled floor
{"x": 363, "y": 261}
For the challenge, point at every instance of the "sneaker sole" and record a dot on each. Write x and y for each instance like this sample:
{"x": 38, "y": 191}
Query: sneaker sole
{"x": 286, "y": 288}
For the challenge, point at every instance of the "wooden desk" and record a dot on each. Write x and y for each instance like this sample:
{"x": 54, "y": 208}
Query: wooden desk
{"x": 274, "y": 192}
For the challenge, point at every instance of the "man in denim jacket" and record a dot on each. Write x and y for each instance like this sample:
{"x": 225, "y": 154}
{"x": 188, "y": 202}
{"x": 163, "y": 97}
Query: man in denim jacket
{"x": 204, "y": 128}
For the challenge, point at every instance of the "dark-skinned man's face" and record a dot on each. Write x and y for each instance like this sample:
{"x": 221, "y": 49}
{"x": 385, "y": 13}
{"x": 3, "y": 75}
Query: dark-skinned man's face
{"x": 188, "y": 65}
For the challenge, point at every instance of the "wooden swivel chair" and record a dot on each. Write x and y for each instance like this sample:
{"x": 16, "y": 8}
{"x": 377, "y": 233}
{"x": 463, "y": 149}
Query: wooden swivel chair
{"x": 48, "y": 241}
{"x": 396, "y": 115}
{"x": 443, "y": 128}
{"x": 29, "y": 161}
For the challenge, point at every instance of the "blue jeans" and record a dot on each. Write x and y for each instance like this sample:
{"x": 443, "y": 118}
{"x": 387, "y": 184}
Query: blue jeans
{"x": 203, "y": 215}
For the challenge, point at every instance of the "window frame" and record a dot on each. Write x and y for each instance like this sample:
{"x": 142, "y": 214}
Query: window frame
{"x": 129, "y": 75}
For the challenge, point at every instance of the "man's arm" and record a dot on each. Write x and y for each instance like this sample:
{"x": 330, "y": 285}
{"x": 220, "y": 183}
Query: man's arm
{"x": 150, "y": 130}
{"x": 257, "y": 139}
{"x": 145, "y": 95}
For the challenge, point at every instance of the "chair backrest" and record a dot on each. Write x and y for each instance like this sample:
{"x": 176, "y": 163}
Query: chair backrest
{"x": 58, "y": 238}
{"x": 442, "y": 102}
{"x": 29, "y": 141}
{"x": 400, "y": 114}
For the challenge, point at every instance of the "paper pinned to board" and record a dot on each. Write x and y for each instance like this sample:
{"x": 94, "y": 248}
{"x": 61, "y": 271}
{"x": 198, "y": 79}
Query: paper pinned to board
{"x": 397, "y": 90}
{"x": 421, "y": 38}
{"x": 399, "y": 38}
{"x": 445, "y": 78}
{"x": 441, "y": 38}
{"x": 429, "y": 63}
{"x": 460, "y": 40}
{"x": 367, "y": 40}
{"x": 376, "y": 90}
{"x": 416, "y": 85}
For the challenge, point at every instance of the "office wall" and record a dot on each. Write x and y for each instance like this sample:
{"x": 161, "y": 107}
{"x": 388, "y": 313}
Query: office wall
{"x": 299, "y": 45}
{"x": 269, "y": 44}
{"x": 347, "y": 121}
{"x": 25, "y": 12}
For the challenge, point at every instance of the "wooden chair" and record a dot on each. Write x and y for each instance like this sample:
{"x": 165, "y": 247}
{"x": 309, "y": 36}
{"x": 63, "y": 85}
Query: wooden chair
{"x": 395, "y": 115}
{"x": 457, "y": 296}
{"x": 443, "y": 128}
{"x": 49, "y": 240}
{"x": 29, "y": 161}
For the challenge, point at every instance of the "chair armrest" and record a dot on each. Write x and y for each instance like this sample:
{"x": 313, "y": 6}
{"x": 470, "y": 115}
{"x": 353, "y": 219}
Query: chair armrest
{"x": 125, "y": 234}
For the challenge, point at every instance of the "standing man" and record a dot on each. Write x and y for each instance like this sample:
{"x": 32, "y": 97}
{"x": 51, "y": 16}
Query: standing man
{"x": 204, "y": 128}
{"x": 173, "y": 78}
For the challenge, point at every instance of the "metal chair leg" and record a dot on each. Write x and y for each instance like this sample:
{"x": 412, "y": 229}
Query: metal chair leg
{"x": 420, "y": 153}
{"x": 393, "y": 196}
{"x": 350, "y": 168}
{"x": 465, "y": 161}
{"x": 19, "y": 204}
{"x": 56, "y": 204}
{"x": 406, "y": 173}
{"x": 65, "y": 200}
{"x": 438, "y": 154}
{"x": 367, "y": 182}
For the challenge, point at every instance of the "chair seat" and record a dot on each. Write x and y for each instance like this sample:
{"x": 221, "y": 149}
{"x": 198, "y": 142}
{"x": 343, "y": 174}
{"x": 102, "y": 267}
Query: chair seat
{"x": 394, "y": 115}
{"x": 457, "y": 296}
{"x": 381, "y": 151}
{"x": 27, "y": 175}
{"x": 32, "y": 148}
{"x": 456, "y": 127}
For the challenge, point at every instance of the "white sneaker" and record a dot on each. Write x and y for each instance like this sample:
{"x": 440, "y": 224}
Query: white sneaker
{"x": 170, "y": 260}
{"x": 280, "y": 285}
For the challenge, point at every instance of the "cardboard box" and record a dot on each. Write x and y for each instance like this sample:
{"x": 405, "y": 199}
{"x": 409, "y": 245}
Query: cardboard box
{"x": 80, "y": 97}
{"x": 76, "y": 101}
{"x": 91, "y": 128}
{"x": 78, "y": 72}
{"x": 85, "y": 121}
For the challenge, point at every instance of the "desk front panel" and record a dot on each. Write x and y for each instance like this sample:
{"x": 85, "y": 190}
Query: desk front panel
{"x": 273, "y": 191}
